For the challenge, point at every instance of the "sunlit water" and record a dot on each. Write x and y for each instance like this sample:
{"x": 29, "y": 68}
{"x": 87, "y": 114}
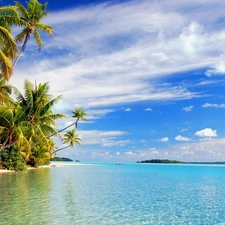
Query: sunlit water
{"x": 109, "y": 194}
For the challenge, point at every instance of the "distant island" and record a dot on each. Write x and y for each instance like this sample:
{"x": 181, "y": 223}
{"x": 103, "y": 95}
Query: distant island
{"x": 61, "y": 159}
{"x": 175, "y": 161}
{"x": 159, "y": 161}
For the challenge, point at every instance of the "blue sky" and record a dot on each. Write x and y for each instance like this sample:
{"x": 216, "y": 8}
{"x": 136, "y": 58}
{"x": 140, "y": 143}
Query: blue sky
{"x": 150, "y": 74}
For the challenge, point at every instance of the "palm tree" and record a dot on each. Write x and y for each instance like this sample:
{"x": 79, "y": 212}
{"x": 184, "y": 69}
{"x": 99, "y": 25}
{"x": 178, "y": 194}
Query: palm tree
{"x": 33, "y": 15}
{"x": 69, "y": 137}
{"x": 79, "y": 114}
{"x": 37, "y": 104}
{"x": 8, "y": 16}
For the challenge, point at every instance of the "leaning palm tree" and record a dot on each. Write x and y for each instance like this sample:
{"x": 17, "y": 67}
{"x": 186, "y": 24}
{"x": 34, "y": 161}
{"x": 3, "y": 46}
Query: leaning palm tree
{"x": 33, "y": 15}
{"x": 9, "y": 16}
{"x": 79, "y": 114}
{"x": 69, "y": 137}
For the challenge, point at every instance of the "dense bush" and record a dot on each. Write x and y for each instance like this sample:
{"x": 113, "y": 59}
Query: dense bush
{"x": 12, "y": 159}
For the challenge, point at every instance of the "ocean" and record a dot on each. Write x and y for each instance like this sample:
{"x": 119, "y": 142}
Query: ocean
{"x": 110, "y": 194}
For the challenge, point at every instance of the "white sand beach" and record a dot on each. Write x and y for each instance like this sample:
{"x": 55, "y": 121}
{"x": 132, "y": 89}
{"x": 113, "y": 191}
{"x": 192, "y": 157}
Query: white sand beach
{"x": 52, "y": 165}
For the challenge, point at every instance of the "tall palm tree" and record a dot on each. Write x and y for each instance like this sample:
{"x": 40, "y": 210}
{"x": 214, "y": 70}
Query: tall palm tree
{"x": 69, "y": 137}
{"x": 33, "y": 15}
{"x": 8, "y": 48}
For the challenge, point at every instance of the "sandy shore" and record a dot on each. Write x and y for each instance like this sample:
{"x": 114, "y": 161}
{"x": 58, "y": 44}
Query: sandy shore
{"x": 52, "y": 165}
{"x": 6, "y": 171}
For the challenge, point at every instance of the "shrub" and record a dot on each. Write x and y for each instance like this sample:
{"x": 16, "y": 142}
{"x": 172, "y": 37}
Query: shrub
{"x": 11, "y": 159}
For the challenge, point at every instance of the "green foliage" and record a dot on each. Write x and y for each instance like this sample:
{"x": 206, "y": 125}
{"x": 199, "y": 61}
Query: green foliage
{"x": 39, "y": 157}
{"x": 61, "y": 159}
{"x": 27, "y": 123}
{"x": 12, "y": 159}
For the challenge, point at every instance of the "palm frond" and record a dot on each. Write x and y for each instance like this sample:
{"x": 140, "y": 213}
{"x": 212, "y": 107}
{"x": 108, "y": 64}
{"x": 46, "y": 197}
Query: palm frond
{"x": 22, "y": 35}
{"x": 22, "y": 9}
{"x": 46, "y": 28}
{"x": 5, "y": 66}
{"x": 8, "y": 40}
{"x": 37, "y": 39}
{"x": 28, "y": 86}
{"x": 48, "y": 106}
{"x": 19, "y": 96}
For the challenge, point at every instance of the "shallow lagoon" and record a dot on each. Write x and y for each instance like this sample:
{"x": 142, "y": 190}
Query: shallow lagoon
{"x": 106, "y": 193}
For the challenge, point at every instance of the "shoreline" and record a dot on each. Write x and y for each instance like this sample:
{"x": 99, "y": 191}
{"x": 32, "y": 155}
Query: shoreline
{"x": 51, "y": 165}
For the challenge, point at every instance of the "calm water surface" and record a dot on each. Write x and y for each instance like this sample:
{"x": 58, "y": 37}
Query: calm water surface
{"x": 109, "y": 194}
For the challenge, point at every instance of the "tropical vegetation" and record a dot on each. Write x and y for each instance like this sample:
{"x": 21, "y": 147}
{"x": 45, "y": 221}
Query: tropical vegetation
{"x": 159, "y": 161}
{"x": 27, "y": 121}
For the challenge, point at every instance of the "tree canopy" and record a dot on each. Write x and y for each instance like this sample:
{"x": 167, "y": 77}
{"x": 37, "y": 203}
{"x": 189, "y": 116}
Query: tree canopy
{"x": 27, "y": 122}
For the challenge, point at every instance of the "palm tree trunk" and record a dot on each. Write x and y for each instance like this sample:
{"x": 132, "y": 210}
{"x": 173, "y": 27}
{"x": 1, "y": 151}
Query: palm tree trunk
{"x": 76, "y": 122}
{"x": 22, "y": 49}
{"x": 61, "y": 149}
{"x": 4, "y": 146}
{"x": 65, "y": 128}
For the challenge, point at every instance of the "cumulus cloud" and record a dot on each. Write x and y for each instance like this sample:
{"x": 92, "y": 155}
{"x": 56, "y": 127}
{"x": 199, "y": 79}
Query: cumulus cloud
{"x": 148, "y": 109}
{"x": 127, "y": 110}
{"x": 207, "y": 132}
{"x": 164, "y": 139}
{"x": 206, "y": 105}
{"x": 218, "y": 69}
{"x": 188, "y": 108}
{"x": 181, "y": 138}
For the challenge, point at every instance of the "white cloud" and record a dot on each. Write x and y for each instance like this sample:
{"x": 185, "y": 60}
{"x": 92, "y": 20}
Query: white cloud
{"x": 218, "y": 69}
{"x": 127, "y": 110}
{"x": 188, "y": 108}
{"x": 103, "y": 138}
{"x": 129, "y": 153}
{"x": 148, "y": 109}
{"x": 165, "y": 139}
{"x": 206, "y": 105}
{"x": 181, "y": 138}
{"x": 207, "y": 132}
{"x": 184, "y": 129}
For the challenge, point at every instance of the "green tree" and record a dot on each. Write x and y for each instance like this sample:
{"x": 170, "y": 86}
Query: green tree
{"x": 8, "y": 48}
{"x": 37, "y": 104}
{"x": 69, "y": 137}
{"x": 32, "y": 15}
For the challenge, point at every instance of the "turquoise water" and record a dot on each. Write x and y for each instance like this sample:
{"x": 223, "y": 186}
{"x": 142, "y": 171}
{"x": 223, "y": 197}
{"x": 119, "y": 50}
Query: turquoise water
{"x": 109, "y": 194}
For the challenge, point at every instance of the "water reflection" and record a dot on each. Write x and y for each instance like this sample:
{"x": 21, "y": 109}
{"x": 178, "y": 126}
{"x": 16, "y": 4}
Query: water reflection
{"x": 24, "y": 197}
